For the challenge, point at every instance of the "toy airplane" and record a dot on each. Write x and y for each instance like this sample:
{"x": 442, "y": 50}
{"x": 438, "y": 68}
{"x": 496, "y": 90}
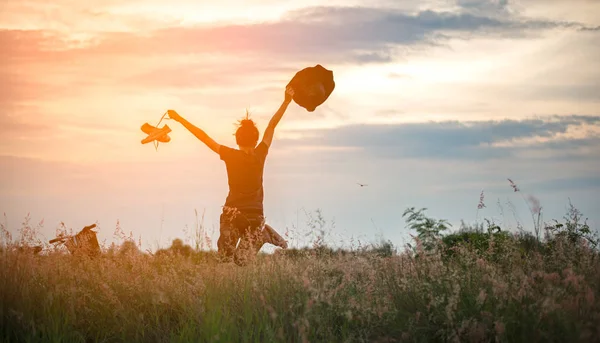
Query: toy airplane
{"x": 156, "y": 134}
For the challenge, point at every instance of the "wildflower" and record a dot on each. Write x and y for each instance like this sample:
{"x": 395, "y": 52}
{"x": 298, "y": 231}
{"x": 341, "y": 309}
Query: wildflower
{"x": 522, "y": 292}
{"x": 481, "y": 203}
{"x": 589, "y": 296}
{"x": 499, "y": 287}
{"x": 551, "y": 277}
{"x": 481, "y": 297}
{"x": 513, "y": 185}
{"x": 548, "y": 305}
{"x": 272, "y": 312}
{"x": 486, "y": 315}
{"x": 453, "y": 303}
{"x": 499, "y": 327}
{"x": 535, "y": 204}
{"x": 571, "y": 278}
{"x": 477, "y": 333}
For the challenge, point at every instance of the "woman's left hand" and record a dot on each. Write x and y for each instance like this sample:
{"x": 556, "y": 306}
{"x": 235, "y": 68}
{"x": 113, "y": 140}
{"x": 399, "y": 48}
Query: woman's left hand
{"x": 289, "y": 94}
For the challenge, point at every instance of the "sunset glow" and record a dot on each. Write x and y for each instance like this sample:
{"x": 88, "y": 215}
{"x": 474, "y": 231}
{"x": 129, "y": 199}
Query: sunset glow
{"x": 474, "y": 87}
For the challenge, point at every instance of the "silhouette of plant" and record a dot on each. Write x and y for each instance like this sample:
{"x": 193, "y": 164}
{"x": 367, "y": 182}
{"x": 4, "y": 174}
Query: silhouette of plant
{"x": 574, "y": 230}
{"x": 429, "y": 230}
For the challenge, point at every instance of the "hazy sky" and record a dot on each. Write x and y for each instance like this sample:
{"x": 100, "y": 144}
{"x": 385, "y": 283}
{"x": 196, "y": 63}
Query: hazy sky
{"x": 435, "y": 102}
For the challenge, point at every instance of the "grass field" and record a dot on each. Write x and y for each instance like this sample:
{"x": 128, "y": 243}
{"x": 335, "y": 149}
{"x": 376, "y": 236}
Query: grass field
{"x": 497, "y": 287}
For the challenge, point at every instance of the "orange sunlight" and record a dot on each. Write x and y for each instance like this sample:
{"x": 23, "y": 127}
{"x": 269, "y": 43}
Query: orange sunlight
{"x": 299, "y": 171}
{"x": 85, "y": 86}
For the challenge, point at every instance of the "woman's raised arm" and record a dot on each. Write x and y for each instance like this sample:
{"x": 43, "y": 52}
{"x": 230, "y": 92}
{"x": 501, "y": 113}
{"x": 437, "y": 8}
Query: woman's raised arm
{"x": 270, "y": 130}
{"x": 201, "y": 135}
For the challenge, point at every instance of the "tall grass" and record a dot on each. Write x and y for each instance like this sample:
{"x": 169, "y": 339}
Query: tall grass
{"x": 316, "y": 294}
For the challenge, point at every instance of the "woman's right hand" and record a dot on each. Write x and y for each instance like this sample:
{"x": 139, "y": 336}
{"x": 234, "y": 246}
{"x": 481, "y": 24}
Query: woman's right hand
{"x": 174, "y": 115}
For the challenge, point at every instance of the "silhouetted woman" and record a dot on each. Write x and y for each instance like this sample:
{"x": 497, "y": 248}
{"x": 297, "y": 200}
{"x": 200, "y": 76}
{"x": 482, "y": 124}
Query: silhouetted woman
{"x": 242, "y": 216}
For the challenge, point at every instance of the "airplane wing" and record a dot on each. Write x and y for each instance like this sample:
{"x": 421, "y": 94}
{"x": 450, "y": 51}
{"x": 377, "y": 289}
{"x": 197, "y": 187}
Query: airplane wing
{"x": 160, "y": 135}
{"x": 164, "y": 139}
{"x": 148, "y": 129}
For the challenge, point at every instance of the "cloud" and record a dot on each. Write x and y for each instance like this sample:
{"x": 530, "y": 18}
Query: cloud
{"x": 18, "y": 88}
{"x": 16, "y": 95}
{"x": 13, "y": 129}
{"x": 79, "y": 17}
{"x": 228, "y": 54}
{"x": 593, "y": 29}
{"x": 582, "y": 91}
{"x": 458, "y": 140}
{"x": 484, "y": 6}
{"x": 204, "y": 74}
{"x": 27, "y": 45}
{"x": 568, "y": 184}
{"x": 336, "y": 34}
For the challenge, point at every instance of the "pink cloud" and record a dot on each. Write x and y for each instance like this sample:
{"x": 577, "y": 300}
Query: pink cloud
{"x": 27, "y": 46}
{"x": 52, "y": 78}
{"x": 22, "y": 87}
{"x": 69, "y": 16}
{"x": 204, "y": 73}
{"x": 12, "y": 127}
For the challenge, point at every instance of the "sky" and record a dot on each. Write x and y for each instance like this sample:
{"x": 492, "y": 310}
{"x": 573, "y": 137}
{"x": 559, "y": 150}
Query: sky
{"x": 435, "y": 102}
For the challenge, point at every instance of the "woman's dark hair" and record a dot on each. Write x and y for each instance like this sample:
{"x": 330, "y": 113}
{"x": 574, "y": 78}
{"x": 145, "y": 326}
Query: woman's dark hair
{"x": 247, "y": 133}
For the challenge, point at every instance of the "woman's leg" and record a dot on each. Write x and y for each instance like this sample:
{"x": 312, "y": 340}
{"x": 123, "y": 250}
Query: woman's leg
{"x": 251, "y": 240}
{"x": 271, "y": 236}
{"x": 228, "y": 238}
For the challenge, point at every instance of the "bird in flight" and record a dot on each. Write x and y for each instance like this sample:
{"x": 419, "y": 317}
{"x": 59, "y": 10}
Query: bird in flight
{"x": 361, "y": 184}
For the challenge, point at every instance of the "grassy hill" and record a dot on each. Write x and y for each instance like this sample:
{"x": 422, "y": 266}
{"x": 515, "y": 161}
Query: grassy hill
{"x": 475, "y": 285}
